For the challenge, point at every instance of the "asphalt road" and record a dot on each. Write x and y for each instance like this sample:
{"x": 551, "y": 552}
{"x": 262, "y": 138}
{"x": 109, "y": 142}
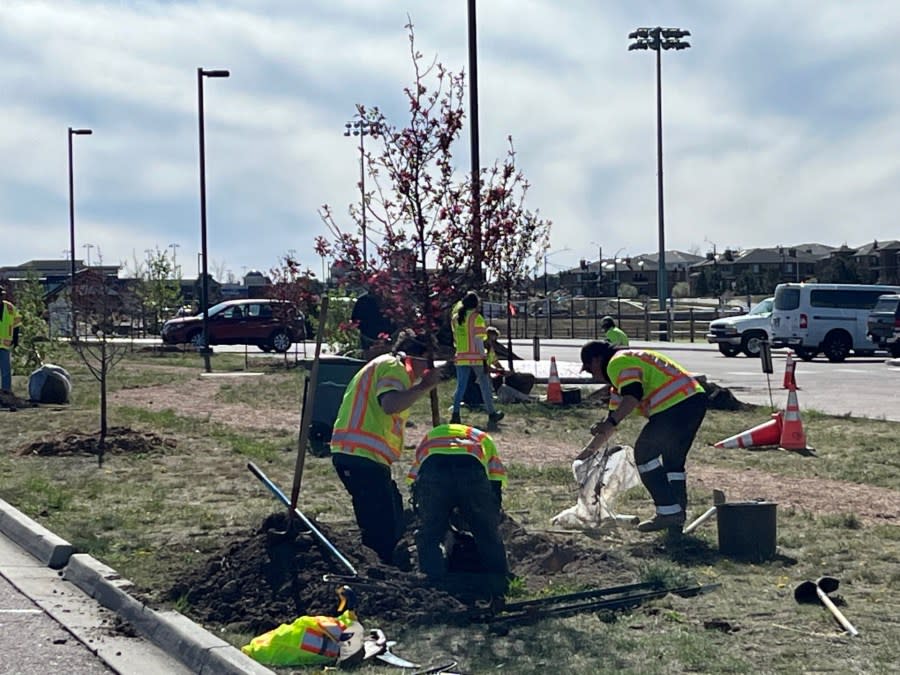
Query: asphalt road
{"x": 860, "y": 386}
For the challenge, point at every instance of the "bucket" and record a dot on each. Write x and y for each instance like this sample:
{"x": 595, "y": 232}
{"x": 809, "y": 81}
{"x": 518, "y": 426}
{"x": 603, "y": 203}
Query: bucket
{"x": 747, "y": 530}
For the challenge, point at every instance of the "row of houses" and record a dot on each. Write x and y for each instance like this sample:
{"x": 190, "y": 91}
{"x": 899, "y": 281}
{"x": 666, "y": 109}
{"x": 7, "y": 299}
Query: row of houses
{"x": 755, "y": 270}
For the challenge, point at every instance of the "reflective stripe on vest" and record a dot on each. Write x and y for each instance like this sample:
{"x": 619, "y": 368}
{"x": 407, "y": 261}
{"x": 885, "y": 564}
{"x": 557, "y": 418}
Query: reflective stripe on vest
{"x": 664, "y": 382}
{"x": 320, "y": 642}
{"x": 469, "y": 338}
{"x": 459, "y": 439}
{"x": 362, "y": 427}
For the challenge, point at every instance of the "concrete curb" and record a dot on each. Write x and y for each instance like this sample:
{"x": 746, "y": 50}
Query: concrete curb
{"x": 51, "y": 550}
{"x": 174, "y": 633}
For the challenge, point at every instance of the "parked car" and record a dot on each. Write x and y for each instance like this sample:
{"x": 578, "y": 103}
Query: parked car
{"x": 829, "y": 318}
{"x": 883, "y": 324}
{"x": 744, "y": 333}
{"x": 271, "y": 325}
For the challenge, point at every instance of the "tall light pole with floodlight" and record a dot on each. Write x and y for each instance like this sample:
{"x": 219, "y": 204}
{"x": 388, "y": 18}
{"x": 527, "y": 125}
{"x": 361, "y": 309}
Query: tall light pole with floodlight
{"x": 659, "y": 39}
{"x": 73, "y": 132}
{"x": 204, "y": 299}
{"x": 362, "y": 128}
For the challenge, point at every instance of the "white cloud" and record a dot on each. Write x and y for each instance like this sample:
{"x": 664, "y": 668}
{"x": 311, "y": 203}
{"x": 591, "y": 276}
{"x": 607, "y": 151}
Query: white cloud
{"x": 779, "y": 122}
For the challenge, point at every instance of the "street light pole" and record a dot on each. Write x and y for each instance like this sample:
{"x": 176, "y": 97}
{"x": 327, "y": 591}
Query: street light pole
{"x": 362, "y": 128}
{"x": 659, "y": 39}
{"x": 73, "y": 132}
{"x": 204, "y": 299}
{"x": 474, "y": 144}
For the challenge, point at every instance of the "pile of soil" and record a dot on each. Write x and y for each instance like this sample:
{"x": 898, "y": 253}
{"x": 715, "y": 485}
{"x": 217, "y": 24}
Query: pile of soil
{"x": 119, "y": 440}
{"x": 255, "y": 583}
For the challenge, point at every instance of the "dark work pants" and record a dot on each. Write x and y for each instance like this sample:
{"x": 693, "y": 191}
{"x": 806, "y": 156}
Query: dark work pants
{"x": 377, "y": 503}
{"x": 668, "y": 436}
{"x": 446, "y": 482}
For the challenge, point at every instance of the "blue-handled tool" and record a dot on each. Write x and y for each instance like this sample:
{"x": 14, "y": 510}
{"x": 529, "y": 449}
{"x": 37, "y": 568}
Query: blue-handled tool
{"x": 306, "y": 521}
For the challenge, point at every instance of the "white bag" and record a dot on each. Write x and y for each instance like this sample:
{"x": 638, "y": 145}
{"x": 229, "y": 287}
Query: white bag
{"x": 601, "y": 479}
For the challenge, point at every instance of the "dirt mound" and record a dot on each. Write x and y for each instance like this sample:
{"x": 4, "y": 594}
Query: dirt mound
{"x": 119, "y": 440}
{"x": 258, "y": 582}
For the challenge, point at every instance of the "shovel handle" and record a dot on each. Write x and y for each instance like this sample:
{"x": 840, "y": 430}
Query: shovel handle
{"x": 700, "y": 520}
{"x": 306, "y": 414}
{"x": 847, "y": 626}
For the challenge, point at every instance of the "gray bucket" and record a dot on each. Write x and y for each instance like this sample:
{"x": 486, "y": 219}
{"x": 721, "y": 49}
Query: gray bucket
{"x": 747, "y": 530}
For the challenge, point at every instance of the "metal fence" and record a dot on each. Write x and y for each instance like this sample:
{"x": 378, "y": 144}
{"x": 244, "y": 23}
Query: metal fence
{"x": 579, "y": 318}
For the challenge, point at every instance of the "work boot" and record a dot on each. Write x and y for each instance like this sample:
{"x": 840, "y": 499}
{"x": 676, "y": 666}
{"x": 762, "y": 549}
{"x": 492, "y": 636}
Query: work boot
{"x": 662, "y": 522}
{"x": 496, "y": 416}
{"x": 454, "y": 418}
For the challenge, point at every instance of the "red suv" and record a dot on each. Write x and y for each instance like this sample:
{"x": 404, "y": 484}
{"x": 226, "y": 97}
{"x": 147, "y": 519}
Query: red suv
{"x": 268, "y": 324}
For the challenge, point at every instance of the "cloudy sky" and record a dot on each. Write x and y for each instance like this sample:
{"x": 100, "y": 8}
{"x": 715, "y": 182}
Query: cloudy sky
{"x": 781, "y": 123}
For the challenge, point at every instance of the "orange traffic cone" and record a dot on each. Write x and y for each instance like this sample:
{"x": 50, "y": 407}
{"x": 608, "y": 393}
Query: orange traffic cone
{"x": 767, "y": 433}
{"x": 792, "y": 434}
{"x": 790, "y": 367}
{"x": 554, "y": 388}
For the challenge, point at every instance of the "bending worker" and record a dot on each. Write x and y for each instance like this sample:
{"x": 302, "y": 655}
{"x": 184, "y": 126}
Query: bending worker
{"x": 457, "y": 468}
{"x": 674, "y": 403}
{"x": 368, "y": 438}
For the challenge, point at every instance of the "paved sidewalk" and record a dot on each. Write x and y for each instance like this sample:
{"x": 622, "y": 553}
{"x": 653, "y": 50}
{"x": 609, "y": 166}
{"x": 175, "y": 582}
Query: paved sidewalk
{"x": 65, "y": 612}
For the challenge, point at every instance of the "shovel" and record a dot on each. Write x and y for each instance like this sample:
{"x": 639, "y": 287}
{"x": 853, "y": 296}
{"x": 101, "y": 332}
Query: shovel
{"x": 812, "y": 591}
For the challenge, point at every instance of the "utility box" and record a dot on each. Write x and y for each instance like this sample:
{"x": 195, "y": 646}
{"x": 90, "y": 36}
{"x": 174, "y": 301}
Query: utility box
{"x": 335, "y": 373}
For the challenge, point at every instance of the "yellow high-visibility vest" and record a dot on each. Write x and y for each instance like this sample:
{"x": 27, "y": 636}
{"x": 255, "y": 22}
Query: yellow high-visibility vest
{"x": 8, "y": 324}
{"x": 665, "y": 382}
{"x": 459, "y": 439}
{"x": 362, "y": 427}
{"x": 310, "y": 640}
{"x": 469, "y": 336}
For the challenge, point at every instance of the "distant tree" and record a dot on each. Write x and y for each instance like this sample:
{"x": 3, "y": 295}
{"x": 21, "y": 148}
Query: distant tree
{"x": 158, "y": 292}
{"x": 627, "y": 291}
{"x": 100, "y": 302}
{"x": 701, "y": 287}
{"x": 35, "y": 347}
{"x": 681, "y": 290}
{"x": 839, "y": 270}
{"x": 297, "y": 288}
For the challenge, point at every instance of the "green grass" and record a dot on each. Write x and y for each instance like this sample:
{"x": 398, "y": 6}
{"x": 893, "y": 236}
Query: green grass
{"x": 155, "y": 515}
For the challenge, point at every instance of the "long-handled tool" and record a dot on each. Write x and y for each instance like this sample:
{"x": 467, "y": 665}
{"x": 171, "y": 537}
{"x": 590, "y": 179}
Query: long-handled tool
{"x": 306, "y": 415}
{"x": 811, "y": 591}
{"x": 718, "y": 498}
{"x": 299, "y": 514}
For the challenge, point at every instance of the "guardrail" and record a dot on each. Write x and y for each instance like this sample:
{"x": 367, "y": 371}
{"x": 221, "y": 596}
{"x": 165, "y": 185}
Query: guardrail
{"x": 684, "y": 324}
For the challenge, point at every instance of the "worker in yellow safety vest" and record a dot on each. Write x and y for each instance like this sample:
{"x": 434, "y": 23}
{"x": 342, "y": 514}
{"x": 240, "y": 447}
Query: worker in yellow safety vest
{"x": 674, "y": 404}
{"x": 457, "y": 468}
{"x": 10, "y": 323}
{"x": 367, "y": 438}
{"x": 469, "y": 333}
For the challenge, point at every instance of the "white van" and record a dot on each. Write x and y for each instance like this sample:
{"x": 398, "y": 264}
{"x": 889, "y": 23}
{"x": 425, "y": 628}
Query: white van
{"x": 827, "y": 318}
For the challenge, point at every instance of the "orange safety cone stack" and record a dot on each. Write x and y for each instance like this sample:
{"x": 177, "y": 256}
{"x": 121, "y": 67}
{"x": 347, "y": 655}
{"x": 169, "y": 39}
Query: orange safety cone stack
{"x": 792, "y": 435}
{"x": 554, "y": 388}
{"x": 790, "y": 368}
{"x": 767, "y": 433}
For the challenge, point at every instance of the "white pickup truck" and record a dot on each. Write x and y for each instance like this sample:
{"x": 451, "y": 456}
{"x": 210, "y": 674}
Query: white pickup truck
{"x": 744, "y": 333}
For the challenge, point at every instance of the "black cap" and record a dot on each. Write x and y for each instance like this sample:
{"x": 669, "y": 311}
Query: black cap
{"x": 607, "y": 322}
{"x": 594, "y": 349}
{"x": 411, "y": 344}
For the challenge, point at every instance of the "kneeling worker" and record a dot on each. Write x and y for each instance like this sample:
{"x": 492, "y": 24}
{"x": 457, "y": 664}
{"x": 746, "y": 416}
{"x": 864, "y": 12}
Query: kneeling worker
{"x": 368, "y": 437}
{"x": 457, "y": 468}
